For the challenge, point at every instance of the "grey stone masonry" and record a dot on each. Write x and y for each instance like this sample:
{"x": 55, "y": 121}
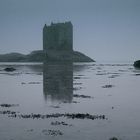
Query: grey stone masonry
{"x": 58, "y": 41}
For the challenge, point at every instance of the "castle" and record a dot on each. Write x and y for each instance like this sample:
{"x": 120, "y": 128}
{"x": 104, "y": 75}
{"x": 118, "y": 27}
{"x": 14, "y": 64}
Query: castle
{"x": 57, "y": 46}
{"x": 58, "y": 41}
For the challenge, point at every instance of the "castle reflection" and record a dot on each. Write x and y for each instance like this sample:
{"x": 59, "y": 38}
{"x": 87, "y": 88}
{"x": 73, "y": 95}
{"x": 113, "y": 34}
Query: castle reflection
{"x": 58, "y": 81}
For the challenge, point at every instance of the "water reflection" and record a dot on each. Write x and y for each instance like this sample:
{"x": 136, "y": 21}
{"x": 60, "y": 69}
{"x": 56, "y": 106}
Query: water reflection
{"x": 58, "y": 81}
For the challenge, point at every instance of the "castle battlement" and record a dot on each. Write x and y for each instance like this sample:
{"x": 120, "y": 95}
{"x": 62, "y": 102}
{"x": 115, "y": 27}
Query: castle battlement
{"x": 59, "y": 24}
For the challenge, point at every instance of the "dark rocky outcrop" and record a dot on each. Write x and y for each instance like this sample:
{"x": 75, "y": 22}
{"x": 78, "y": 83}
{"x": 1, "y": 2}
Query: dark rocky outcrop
{"x": 52, "y": 132}
{"x": 60, "y": 123}
{"x": 14, "y": 114}
{"x": 107, "y": 86}
{"x": 81, "y": 96}
{"x": 39, "y": 56}
{"x": 9, "y": 69}
{"x": 8, "y": 105}
{"x": 114, "y": 138}
{"x": 137, "y": 64}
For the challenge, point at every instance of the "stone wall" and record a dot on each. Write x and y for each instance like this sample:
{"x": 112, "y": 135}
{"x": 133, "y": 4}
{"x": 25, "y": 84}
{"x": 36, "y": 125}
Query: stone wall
{"x": 58, "y": 41}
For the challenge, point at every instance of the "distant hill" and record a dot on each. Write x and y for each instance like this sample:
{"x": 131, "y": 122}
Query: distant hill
{"x": 12, "y": 57}
{"x": 38, "y": 56}
{"x": 80, "y": 57}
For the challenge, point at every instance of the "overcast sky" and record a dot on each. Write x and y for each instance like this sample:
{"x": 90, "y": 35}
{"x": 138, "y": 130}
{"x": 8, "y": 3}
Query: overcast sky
{"x": 103, "y": 29}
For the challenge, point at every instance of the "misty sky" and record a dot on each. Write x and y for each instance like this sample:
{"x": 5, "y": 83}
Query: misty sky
{"x": 103, "y": 29}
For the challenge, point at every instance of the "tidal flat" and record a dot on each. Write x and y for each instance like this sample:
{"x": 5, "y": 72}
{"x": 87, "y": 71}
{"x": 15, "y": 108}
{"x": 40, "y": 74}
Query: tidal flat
{"x": 69, "y": 101}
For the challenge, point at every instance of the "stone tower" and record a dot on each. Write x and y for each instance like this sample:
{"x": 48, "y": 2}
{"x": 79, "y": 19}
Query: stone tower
{"x": 58, "y": 41}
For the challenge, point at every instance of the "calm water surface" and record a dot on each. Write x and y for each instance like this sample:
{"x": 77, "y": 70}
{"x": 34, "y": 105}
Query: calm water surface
{"x": 113, "y": 90}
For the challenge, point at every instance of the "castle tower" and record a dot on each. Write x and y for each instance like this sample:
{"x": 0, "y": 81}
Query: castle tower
{"x": 58, "y": 41}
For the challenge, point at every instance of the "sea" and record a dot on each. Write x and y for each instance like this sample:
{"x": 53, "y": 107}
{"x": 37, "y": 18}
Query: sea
{"x": 70, "y": 101}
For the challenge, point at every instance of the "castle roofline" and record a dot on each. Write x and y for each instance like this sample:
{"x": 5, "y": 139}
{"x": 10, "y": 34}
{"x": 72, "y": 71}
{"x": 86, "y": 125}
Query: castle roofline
{"x": 59, "y": 23}
{"x": 45, "y": 26}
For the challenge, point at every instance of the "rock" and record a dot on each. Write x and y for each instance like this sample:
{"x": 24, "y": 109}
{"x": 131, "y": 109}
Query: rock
{"x": 137, "y": 64}
{"x": 55, "y": 106}
{"x": 57, "y": 115}
{"x": 113, "y": 138}
{"x": 60, "y": 123}
{"x": 81, "y": 96}
{"x": 137, "y": 74}
{"x": 107, "y": 86}
{"x": 52, "y": 132}
{"x": 8, "y": 105}
{"x": 8, "y": 112}
{"x": 9, "y": 69}
{"x": 34, "y": 83}
{"x": 30, "y": 130}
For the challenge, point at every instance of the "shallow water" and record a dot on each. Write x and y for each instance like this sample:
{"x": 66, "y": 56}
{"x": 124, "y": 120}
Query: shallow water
{"x": 110, "y": 89}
